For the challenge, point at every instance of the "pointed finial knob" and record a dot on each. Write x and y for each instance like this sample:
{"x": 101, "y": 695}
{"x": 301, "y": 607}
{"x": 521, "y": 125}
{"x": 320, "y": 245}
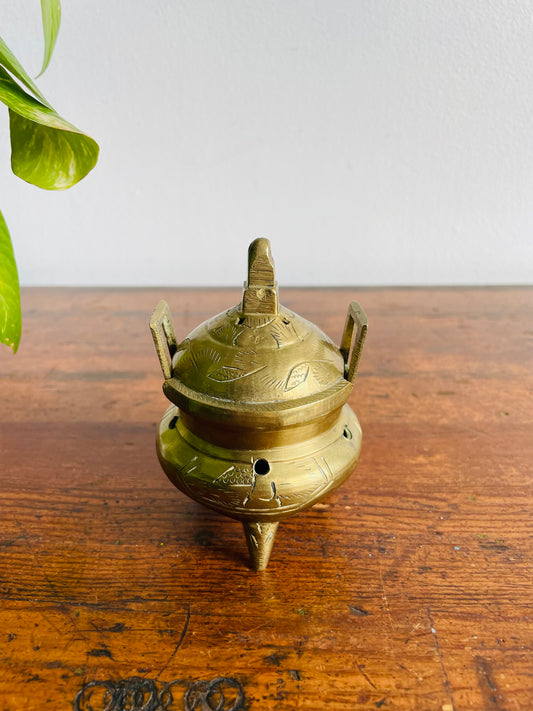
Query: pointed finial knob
{"x": 260, "y": 294}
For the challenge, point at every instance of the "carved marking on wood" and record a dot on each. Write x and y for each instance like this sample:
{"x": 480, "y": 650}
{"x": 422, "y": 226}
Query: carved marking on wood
{"x": 138, "y": 694}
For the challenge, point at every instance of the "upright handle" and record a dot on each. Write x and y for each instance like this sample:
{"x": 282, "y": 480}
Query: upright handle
{"x": 356, "y": 316}
{"x": 164, "y": 338}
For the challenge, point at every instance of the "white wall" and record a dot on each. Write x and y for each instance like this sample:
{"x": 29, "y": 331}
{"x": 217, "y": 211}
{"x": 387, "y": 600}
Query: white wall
{"x": 373, "y": 141}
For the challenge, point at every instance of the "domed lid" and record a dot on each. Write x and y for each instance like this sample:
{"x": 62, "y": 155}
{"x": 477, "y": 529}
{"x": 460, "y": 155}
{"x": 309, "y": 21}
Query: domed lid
{"x": 258, "y": 363}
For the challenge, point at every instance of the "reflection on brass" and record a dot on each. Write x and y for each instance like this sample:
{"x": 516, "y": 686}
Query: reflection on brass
{"x": 259, "y": 428}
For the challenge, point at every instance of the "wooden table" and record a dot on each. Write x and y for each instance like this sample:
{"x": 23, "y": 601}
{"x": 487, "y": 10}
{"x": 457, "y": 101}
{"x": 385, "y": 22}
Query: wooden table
{"x": 410, "y": 587}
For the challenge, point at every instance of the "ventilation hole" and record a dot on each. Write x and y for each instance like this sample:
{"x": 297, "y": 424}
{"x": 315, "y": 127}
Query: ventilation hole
{"x": 172, "y": 423}
{"x": 346, "y": 433}
{"x": 286, "y": 321}
{"x": 261, "y": 466}
{"x": 240, "y": 321}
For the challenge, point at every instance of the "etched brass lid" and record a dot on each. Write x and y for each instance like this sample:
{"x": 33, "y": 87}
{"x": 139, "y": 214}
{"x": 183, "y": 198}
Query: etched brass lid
{"x": 257, "y": 363}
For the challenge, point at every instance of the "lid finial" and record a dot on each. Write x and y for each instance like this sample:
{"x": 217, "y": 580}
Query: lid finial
{"x": 260, "y": 294}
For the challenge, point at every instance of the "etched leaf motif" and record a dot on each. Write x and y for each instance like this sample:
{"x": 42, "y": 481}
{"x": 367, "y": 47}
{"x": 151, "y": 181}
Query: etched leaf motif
{"x": 297, "y": 376}
{"x": 226, "y": 373}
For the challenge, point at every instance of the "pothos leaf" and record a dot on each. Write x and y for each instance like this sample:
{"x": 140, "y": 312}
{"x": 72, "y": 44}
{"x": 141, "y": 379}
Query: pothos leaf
{"x": 11, "y": 63}
{"x": 10, "y": 318}
{"x": 46, "y": 150}
{"x": 51, "y": 12}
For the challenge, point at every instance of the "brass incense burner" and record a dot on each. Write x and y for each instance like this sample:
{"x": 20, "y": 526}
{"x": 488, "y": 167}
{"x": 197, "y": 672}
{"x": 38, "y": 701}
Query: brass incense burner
{"x": 259, "y": 428}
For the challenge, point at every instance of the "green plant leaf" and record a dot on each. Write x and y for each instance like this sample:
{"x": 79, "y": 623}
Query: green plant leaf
{"x": 51, "y": 12}
{"x": 11, "y": 63}
{"x": 46, "y": 150}
{"x": 10, "y": 318}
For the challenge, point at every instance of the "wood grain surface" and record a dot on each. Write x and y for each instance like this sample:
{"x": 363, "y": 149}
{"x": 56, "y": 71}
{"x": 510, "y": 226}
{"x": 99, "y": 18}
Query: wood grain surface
{"x": 408, "y": 588}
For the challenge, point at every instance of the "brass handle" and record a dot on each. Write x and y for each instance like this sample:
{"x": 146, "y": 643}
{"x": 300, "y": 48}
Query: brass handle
{"x": 164, "y": 338}
{"x": 356, "y": 316}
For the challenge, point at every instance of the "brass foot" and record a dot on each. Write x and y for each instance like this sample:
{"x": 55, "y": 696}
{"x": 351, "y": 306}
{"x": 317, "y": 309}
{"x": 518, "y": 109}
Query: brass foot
{"x": 260, "y": 539}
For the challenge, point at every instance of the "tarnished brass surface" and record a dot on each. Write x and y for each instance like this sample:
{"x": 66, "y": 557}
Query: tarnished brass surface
{"x": 263, "y": 429}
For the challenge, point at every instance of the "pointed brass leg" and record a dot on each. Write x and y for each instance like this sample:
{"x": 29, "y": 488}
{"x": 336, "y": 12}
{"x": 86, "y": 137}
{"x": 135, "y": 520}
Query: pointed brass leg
{"x": 260, "y": 539}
